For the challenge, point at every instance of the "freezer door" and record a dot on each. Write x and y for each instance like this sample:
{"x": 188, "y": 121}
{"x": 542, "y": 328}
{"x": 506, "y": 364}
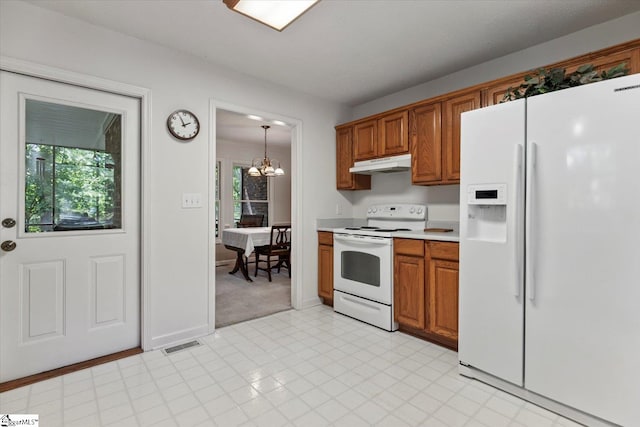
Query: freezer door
{"x": 491, "y": 240}
{"x": 583, "y": 262}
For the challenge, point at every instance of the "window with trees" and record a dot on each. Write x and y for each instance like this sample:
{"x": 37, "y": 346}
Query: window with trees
{"x": 250, "y": 194}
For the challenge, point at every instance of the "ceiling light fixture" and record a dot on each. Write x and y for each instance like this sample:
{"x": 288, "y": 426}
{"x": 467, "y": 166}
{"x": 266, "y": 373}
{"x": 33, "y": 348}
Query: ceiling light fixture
{"x": 265, "y": 166}
{"x": 277, "y": 14}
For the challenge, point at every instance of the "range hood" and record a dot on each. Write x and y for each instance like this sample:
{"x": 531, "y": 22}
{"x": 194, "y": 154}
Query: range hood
{"x": 384, "y": 165}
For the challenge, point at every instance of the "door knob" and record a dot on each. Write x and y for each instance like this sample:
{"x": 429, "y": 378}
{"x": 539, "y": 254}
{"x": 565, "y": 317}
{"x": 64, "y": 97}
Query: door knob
{"x": 8, "y": 245}
{"x": 8, "y": 222}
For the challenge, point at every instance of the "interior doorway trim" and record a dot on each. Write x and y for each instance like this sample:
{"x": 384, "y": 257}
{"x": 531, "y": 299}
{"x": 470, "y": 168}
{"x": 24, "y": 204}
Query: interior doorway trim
{"x": 144, "y": 95}
{"x": 296, "y": 197}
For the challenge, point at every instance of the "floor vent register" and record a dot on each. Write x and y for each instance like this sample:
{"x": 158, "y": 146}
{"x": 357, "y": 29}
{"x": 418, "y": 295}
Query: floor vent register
{"x": 175, "y": 348}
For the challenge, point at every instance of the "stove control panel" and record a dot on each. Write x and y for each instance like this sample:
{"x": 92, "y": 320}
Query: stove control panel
{"x": 398, "y": 211}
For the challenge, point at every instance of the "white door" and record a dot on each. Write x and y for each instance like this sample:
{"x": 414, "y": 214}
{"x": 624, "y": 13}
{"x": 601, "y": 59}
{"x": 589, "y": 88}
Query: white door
{"x": 583, "y": 292}
{"x": 69, "y": 267}
{"x": 491, "y": 304}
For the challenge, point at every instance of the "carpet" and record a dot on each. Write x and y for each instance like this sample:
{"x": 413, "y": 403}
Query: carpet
{"x": 238, "y": 300}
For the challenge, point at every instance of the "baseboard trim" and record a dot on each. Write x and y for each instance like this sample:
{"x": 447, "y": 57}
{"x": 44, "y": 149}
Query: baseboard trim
{"x": 42, "y": 376}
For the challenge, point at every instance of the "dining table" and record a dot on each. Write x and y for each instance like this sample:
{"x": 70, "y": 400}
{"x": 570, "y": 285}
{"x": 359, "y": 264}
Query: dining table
{"x": 243, "y": 241}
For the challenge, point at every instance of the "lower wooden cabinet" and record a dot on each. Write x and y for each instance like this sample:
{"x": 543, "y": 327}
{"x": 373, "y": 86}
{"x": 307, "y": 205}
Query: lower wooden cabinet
{"x": 426, "y": 289}
{"x": 325, "y": 267}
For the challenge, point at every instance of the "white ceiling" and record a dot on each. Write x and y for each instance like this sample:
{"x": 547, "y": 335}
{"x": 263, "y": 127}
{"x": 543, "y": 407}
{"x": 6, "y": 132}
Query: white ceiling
{"x": 349, "y": 51}
{"x": 232, "y": 126}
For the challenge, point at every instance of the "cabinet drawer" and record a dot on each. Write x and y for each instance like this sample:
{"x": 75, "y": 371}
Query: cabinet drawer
{"x": 325, "y": 238}
{"x": 408, "y": 247}
{"x": 443, "y": 250}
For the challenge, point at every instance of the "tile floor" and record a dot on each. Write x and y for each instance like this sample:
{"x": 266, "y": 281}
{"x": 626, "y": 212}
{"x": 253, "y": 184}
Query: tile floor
{"x": 295, "y": 368}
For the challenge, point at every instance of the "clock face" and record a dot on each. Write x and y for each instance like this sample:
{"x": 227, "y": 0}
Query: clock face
{"x": 183, "y": 125}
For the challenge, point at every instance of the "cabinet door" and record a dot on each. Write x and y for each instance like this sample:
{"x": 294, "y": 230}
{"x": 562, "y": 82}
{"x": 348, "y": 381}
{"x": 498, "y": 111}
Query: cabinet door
{"x": 325, "y": 272}
{"x": 409, "y": 291}
{"x": 453, "y": 109}
{"x": 345, "y": 180}
{"x": 393, "y": 134}
{"x": 365, "y": 140}
{"x": 426, "y": 144}
{"x": 442, "y": 296}
{"x": 495, "y": 93}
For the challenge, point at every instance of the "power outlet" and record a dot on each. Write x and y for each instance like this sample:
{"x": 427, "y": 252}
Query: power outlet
{"x": 191, "y": 200}
{"x": 338, "y": 209}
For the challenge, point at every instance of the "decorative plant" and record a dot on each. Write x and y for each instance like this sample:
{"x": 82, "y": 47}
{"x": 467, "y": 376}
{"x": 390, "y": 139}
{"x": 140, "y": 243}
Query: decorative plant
{"x": 557, "y": 78}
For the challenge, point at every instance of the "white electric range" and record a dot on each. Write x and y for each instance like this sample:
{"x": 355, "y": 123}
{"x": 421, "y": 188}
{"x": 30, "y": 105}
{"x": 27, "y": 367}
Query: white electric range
{"x": 363, "y": 262}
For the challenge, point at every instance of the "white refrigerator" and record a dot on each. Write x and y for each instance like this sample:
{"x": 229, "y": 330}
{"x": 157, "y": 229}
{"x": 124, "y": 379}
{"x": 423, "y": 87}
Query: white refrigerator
{"x": 550, "y": 250}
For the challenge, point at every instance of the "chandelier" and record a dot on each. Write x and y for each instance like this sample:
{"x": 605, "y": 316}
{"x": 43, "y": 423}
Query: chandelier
{"x": 265, "y": 166}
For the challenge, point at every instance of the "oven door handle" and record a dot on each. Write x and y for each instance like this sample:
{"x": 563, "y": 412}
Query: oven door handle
{"x": 362, "y": 240}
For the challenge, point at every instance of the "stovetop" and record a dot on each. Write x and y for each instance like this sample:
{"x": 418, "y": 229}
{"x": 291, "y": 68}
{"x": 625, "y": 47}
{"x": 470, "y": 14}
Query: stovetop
{"x": 384, "y": 220}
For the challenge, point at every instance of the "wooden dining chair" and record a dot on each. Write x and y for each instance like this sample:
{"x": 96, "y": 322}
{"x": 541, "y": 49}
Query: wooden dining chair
{"x": 279, "y": 248}
{"x": 250, "y": 220}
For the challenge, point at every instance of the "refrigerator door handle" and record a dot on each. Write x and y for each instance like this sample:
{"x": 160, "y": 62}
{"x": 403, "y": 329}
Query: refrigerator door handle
{"x": 517, "y": 180}
{"x": 531, "y": 286}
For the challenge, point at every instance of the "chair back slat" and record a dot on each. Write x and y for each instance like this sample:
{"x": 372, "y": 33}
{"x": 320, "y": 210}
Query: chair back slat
{"x": 280, "y": 236}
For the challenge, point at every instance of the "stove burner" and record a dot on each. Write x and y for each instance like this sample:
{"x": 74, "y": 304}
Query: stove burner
{"x": 366, "y": 227}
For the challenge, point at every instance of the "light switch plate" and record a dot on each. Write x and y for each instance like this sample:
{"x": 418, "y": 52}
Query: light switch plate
{"x": 191, "y": 200}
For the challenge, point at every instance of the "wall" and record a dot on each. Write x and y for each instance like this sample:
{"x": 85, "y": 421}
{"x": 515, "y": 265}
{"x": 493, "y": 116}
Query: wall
{"x": 179, "y": 294}
{"x": 443, "y": 200}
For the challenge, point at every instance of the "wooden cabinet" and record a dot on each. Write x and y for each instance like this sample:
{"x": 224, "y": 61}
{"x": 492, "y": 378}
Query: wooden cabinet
{"x": 426, "y": 144}
{"x": 452, "y": 111}
{"x": 494, "y": 93}
{"x": 442, "y": 289}
{"x": 426, "y": 289}
{"x": 408, "y": 271}
{"x": 393, "y": 134}
{"x": 383, "y": 136}
{"x": 435, "y": 139}
{"x": 346, "y": 180}
{"x": 325, "y": 267}
{"x": 365, "y": 140}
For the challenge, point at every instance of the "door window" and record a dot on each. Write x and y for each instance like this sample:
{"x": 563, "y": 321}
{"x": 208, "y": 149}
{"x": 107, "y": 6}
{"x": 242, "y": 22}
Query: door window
{"x": 72, "y": 168}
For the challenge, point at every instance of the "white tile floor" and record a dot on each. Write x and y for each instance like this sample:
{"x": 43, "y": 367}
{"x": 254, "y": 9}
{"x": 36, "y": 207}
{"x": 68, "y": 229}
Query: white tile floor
{"x": 296, "y": 368}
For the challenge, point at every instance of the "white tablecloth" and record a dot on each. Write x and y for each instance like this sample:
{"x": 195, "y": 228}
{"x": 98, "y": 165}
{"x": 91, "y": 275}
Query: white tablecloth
{"x": 246, "y": 238}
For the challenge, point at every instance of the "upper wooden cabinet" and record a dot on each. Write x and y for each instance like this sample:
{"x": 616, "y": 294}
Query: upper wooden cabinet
{"x": 426, "y": 144}
{"x": 452, "y": 110}
{"x": 430, "y": 129}
{"x": 393, "y": 134}
{"x": 365, "y": 140}
{"x": 383, "y": 136}
{"x": 346, "y": 180}
{"x": 494, "y": 93}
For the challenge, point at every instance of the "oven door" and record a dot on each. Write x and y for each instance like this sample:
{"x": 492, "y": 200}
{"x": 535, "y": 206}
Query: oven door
{"x": 362, "y": 266}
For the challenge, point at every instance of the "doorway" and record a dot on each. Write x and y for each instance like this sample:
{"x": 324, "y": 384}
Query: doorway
{"x": 240, "y": 142}
{"x": 70, "y": 264}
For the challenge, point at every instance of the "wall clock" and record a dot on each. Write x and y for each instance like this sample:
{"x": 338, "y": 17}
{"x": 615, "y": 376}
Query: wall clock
{"x": 183, "y": 125}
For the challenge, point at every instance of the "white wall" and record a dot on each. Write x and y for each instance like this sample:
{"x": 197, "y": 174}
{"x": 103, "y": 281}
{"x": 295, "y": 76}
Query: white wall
{"x": 179, "y": 293}
{"x": 443, "y": 200}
